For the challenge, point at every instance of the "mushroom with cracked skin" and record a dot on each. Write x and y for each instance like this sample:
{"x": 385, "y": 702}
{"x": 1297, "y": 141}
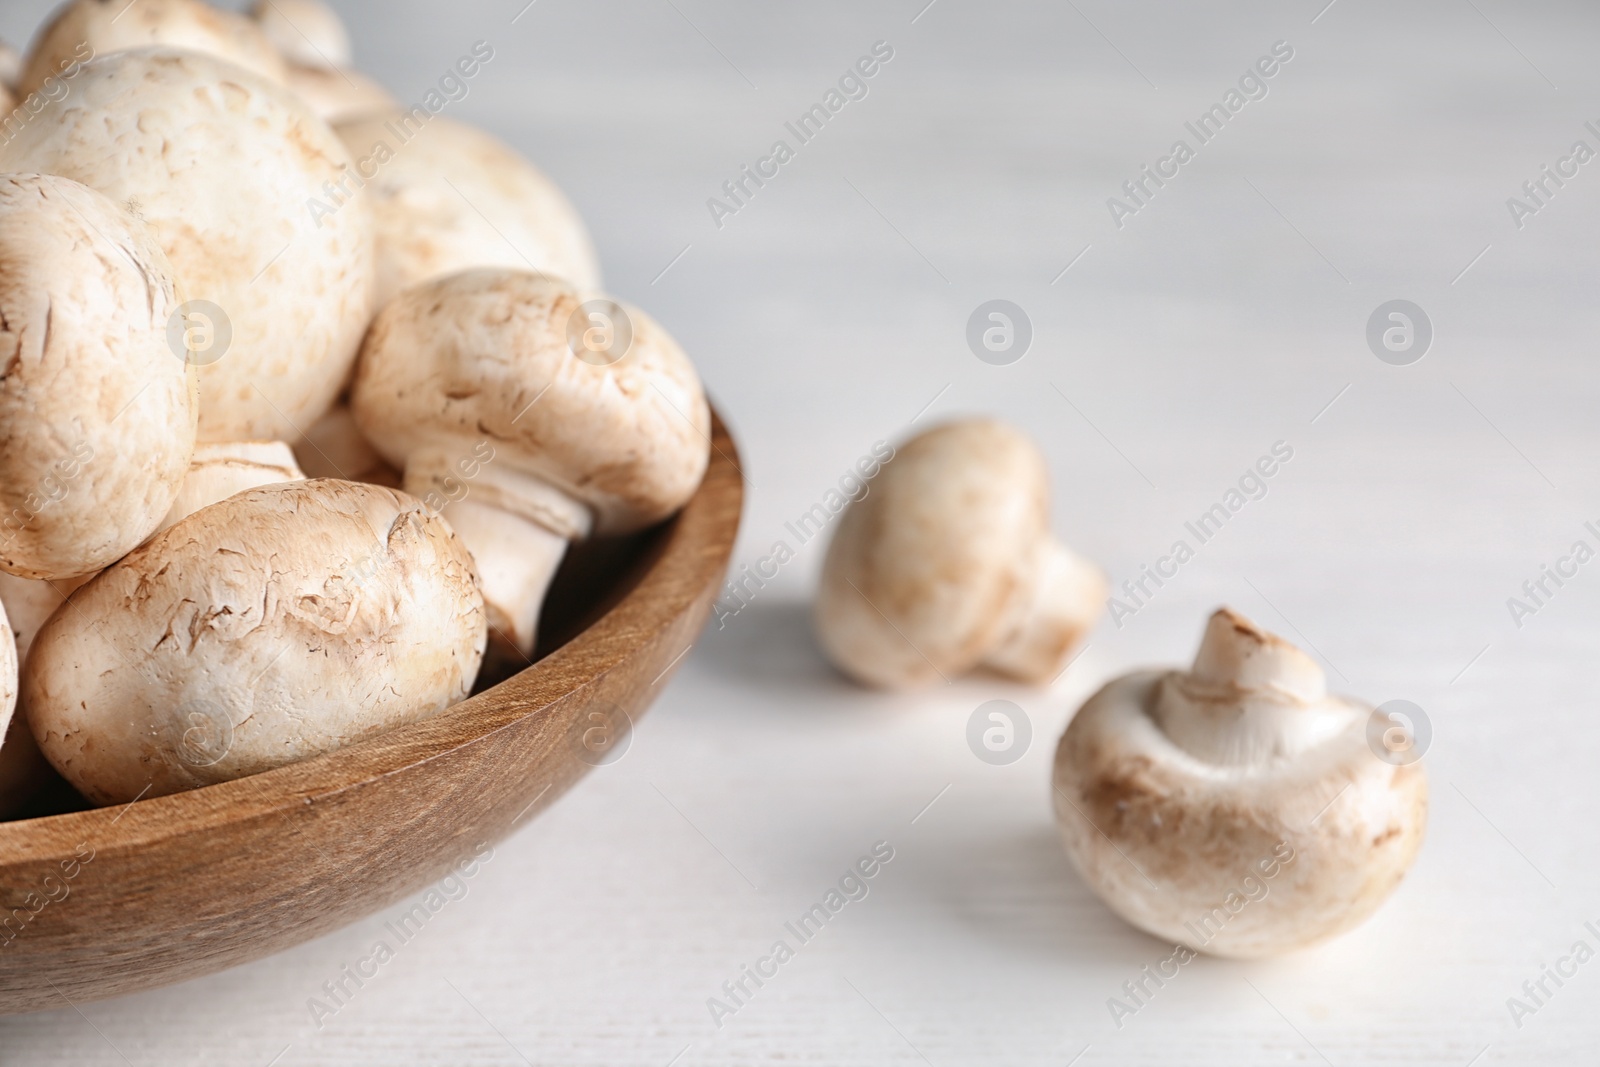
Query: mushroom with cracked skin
{"x": 1236, "y": 807}
{"x": 946, "y": 563}
{"x": 108, "y": 26}
{"x": 470, "y": 386}
{"x": 97, "y": 416}
{"x": 221, "y": 165}
{"x": 218, "y": 472}
{"x": 282, "y": 623}
{"x": 447, "y": 197}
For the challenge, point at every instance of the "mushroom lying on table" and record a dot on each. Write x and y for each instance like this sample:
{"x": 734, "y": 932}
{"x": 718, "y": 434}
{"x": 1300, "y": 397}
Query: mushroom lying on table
{"x": 221, "y": 165}
{"x": 447, "y": 197}
{"x": 97, "y": 416}
{"x": 81, "y": 29}
{"x": 947, "y": 564}
{"x": 282, "y": 623}
{"x": 470, "y": 384}
{"x": 1236, "y": 807}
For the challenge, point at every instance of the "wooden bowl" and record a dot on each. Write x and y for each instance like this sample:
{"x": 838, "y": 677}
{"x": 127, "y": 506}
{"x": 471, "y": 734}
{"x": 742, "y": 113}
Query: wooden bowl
{"x": 103, "y": 902}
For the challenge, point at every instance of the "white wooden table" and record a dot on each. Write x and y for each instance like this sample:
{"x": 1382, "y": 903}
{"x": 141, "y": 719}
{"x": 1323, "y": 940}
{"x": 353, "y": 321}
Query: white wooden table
{"x": 1228, "y": 313}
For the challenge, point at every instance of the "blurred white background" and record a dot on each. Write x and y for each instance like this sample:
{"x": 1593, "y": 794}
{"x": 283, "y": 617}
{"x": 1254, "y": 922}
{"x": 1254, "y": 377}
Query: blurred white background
{"x": 1230, "y": 313}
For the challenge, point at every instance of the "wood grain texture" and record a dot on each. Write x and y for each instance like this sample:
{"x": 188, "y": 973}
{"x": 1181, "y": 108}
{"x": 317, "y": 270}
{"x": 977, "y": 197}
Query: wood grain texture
{"x": 181, "y": 886}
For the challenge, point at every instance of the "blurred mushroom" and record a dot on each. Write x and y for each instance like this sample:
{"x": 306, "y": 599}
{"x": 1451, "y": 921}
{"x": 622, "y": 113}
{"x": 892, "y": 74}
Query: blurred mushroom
{"x": 947, "y": 563}
{"x": 84, "y": 29}
{"x": 339, "y": 96}
{"x": 316, "y": 49}
{"x": 469, "y": 385}
{"x": 336, "y": 448}
{"x": 447, "y": 197}
{"x": 281, "y": 623}
{"x": 223, "y": 166}
{"x": 307, "y": 33}
{"x": 1236, "y": 807}
{"x": 97, "y": 415}
{"x": 10, "y": 68}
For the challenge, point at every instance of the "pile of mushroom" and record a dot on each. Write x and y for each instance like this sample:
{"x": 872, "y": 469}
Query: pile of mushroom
{"x": 180, "y": 327}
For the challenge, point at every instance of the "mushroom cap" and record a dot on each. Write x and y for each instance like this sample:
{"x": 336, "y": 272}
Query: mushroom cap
{"x": 1284, "y": 830}
{"x": 8, "y": 672}
{"x": 97, "y": 415}
{"x": 22, "y": 770}
{"x": 929, "y": 570}
{"x": 483, "y": 356}
{"x": 30, "y": 602}
{"x": 307, "y": 33}
{"x": 27, "y": 604}
{"x": 10, "y": 70}
{"x": 335, "y": 447}
{"x": 223, "y": 166}
{"x": 340, "y": 95}
{"x": 284, "y": 622}
{"x": 221, "y": 470}
{"x": 449, "y": 197}
{"x": 86, "y": 29}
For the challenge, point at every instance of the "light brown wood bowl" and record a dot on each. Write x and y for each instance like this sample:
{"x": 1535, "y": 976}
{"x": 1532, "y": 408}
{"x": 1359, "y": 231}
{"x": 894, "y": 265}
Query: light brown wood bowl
{"x": 186, "y": 885}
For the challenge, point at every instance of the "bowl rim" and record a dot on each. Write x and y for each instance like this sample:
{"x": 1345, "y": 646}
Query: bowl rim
{"x": 695, "y": 547}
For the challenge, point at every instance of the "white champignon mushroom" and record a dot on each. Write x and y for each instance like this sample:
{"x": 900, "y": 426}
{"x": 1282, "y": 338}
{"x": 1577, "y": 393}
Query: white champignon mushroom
{"x": 28, "y": 603}
{"x": 10, "y": 72}
{"x": 469, "y": 385}
{"x": 21, "y": 770}
{"x": 947, "y": 563}
{"x": 224, "y": 469}
{"x": 218, "y": 472}
{"x": 307, "y": 33}
{"x": 284, "y": 622}
{"x": 97, "y": 415}
{"x": 221, "y": 165}
{"x": 336, "y": 448}
{"x": 339, "y": 96}
{"x": 447, "y": 197}
{"x": 86, "y": 29}
{"x": 1236, "y": 808}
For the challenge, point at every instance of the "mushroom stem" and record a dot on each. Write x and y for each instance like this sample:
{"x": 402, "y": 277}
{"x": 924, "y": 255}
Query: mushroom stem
{"x": 1250, "y": 698}
{"x": 1066, "y": 601}
{"x": 516, "y": 526}
{"x": 516, "y": 559}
